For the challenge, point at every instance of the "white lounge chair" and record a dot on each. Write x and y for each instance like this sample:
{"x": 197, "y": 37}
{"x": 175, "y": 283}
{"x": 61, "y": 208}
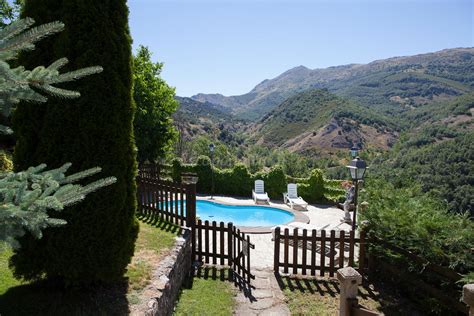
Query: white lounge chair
{"x": 258, "y": 193}
{"x": 291, "y": 197}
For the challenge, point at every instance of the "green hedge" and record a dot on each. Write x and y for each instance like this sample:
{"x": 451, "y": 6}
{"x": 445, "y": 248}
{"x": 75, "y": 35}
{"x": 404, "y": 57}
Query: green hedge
{"x": 238, "y": 181}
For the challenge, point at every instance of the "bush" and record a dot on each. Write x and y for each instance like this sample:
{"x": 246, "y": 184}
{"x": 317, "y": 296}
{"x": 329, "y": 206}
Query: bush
{"x": 95, "y": 130}
{"x": 313, "y": 190}
{"x": 419, "y": 223}
{"x": 422, "y": 225}
{"x": 5, "y": 162}
{"x": 275, "y": 182}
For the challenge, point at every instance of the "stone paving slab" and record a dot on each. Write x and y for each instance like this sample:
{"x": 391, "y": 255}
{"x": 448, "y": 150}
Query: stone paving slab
{"x": 265, "y": 299}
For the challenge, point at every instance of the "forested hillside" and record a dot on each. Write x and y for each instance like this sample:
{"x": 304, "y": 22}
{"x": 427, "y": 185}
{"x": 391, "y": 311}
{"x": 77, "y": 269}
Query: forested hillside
{"x": 318, "y": 120}
{"x": 412, "y": 116}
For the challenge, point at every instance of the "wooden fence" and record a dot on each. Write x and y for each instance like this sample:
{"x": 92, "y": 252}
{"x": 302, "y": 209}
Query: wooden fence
{"x": 166, "y": 200}
{"x": 221, "y": 244}
{"x": 433, "y": 281}
{"x": 319, "y": 251}
{"x": 225, "y": 245}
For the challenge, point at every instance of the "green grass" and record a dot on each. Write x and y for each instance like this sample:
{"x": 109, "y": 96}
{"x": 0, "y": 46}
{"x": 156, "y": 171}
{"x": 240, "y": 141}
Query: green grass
{"x": 321, "y": 297}
{"x": 50, "y": 298}
{"x": 207, "y": 296}
{"x": 6, "y": 276}
{"x": 154, "y": 240}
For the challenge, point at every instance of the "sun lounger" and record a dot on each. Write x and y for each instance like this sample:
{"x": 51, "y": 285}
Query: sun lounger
{"x": 258, "y": 193}
{"x": 291, "y": 197}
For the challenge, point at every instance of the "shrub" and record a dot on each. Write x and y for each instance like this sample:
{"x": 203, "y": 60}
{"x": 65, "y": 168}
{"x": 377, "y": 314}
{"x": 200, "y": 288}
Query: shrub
{"x": 313, "y": 190}
{"x": 239, "y": 181}
{"x": 5, "y": 162}
{"x": 275, "y": 182}
{"x": 94, "y": 130}
{"x": 419, "y": 223}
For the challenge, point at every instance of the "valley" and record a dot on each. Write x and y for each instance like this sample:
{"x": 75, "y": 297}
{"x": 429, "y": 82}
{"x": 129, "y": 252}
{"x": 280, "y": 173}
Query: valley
{"x": 392, "y": 109}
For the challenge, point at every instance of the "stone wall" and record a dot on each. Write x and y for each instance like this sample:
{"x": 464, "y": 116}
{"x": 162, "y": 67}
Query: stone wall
{"x": 168, "y": 277}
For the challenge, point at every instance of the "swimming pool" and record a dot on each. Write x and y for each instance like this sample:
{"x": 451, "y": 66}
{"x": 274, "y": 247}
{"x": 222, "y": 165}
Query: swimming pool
{"x": 242, "y": 215}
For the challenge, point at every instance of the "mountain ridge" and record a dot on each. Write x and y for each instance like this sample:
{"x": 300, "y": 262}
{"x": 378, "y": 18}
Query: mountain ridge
{"x": 434, "y": 68}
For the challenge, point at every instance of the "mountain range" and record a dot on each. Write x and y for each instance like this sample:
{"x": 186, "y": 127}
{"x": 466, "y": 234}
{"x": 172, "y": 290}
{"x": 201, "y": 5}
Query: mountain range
{"x": 321, "y": 110}
{"x": 388, "y": 84}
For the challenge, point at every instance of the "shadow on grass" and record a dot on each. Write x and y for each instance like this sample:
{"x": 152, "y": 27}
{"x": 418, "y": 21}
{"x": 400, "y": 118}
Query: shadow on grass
{"x": 158, "y": 222}
{"x": 50, "y": 298}
{"x": 221, "y": 274}
{"x": 377, "y": 296}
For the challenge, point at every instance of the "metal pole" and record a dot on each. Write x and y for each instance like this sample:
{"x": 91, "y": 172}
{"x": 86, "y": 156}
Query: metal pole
{"x": 355, "y": 204}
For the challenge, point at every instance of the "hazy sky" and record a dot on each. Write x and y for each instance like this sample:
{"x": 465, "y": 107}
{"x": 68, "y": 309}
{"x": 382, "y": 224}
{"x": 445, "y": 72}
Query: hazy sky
{"x": 229, "y": 46}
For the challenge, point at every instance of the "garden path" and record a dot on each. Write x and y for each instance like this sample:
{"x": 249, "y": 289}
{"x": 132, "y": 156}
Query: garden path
{"x": 266, "y": 299}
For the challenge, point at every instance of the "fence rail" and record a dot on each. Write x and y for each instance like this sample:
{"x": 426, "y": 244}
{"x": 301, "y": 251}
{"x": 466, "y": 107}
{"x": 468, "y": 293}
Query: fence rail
{"x": 224, "y": 244}
{"x": 212, "y": 243}
{"x": 317, "y": 251}
{"x": 162, "y": 198}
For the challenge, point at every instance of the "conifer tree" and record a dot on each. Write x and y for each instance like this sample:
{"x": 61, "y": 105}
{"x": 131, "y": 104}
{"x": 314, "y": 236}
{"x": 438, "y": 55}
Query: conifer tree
{"x": 94, "y": 130}
{"x": 27, "y": 196}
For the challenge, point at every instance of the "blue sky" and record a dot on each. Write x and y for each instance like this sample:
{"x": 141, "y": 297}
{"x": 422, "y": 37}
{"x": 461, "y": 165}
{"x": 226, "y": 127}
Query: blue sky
{"x": 229, "y": 46}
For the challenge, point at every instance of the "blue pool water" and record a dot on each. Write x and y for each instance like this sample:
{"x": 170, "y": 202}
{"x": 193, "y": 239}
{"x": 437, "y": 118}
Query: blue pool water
{"x": 248, "y": 215}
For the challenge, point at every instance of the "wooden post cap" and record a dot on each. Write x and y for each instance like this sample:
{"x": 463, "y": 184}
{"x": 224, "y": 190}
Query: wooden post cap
{"x": 349, "y": 274}
{"x": 468, "y": 294}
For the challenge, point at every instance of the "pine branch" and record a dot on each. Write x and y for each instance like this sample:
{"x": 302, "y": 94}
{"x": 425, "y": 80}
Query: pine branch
{"x": 27, "y": 196}
{"x": 16, "y": 84}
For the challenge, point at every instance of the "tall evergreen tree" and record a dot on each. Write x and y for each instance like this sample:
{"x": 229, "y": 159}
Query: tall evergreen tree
{"x": 94, "y": 130}
{"x": 27, "y": 196}
{"x": 154, "y": 98}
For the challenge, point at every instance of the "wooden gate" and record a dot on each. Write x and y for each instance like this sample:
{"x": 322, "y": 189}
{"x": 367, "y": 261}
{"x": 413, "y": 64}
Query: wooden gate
{"x": 224, "y": 245}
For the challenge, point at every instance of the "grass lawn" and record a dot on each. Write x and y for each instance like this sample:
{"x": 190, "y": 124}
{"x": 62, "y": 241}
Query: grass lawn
{"x": 6, "y": 276}
{"x": 209, "y": 294}
{"x": 46, "y": 298}
{"x": 321, "y": 297}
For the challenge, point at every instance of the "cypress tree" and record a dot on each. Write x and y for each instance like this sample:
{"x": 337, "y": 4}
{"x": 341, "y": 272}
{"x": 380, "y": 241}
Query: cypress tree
{"x": 94, "y": 130}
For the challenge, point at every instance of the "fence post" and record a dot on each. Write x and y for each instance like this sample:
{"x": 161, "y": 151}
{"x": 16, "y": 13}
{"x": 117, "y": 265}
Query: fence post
{"x": 468, "y": 297}
{"x": 349, "y": 280}
{"x": 276, "y": 254}
{"x": 190, "y": 180}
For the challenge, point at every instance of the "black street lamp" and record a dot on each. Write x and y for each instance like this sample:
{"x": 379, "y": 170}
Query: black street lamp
{"x": 357, "y": 169}
{"x": 211, "y": 150}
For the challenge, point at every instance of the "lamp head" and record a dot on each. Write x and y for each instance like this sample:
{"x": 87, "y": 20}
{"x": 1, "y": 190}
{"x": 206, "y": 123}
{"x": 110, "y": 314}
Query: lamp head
{"x": 357, "y": 168}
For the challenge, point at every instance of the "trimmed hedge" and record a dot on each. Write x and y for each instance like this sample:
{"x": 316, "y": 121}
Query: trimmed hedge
{"x": 238, "y": 181}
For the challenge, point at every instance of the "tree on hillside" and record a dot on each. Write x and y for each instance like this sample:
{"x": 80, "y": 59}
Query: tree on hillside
{"x": 27, "y": 196}
{"x": 154, "y": 99}
{"x": 95, "y": 130}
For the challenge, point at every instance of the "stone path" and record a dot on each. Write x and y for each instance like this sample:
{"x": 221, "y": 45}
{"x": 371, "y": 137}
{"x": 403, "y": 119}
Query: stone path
{"x": 266, "y": 299}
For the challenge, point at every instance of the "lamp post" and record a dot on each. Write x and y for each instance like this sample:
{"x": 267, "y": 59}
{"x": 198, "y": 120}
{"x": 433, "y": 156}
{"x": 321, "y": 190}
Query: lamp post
{"x": 357, "y": 169}
{"x": 211, "y": 150}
